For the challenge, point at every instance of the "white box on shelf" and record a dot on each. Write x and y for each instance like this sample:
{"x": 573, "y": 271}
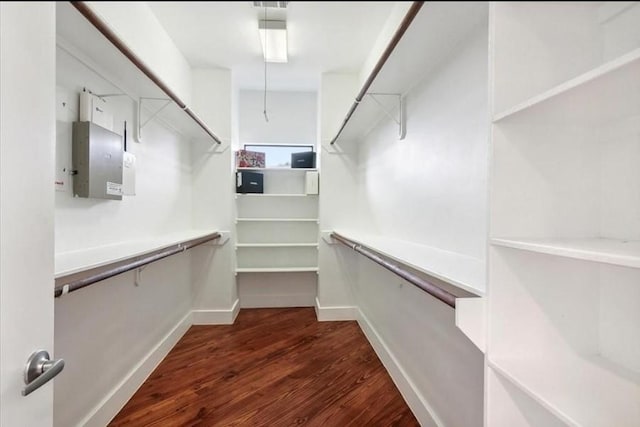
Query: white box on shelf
{"x": 311, "y": 182}
{"x": 92, "y": 109}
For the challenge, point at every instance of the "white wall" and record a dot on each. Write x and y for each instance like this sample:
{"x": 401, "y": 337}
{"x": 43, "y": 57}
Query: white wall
{"x": 94, "y": 325}
{"x": 430, "y": 188}
{"x": 136, "y": 24}
{"x": 213, "y": 276}
{"x": 292, "y": 117}
{"x": 338, "y": 201}
{"x": 164, "y": 157}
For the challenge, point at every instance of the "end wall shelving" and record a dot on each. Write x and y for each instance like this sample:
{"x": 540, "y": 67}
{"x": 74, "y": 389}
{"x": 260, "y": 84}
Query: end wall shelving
{"x": 277, "y": 229}
{"x": 564, "y": 300}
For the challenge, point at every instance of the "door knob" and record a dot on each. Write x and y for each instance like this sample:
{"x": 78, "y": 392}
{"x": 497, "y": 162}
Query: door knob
{"x": 39, "y": 370}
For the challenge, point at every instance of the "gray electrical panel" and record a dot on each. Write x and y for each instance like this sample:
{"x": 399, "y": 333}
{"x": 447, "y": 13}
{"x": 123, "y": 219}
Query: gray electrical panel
{"x": 97, "y": 159}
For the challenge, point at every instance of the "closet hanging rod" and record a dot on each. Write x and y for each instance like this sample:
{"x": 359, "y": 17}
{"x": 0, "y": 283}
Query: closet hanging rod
{"x": 430, "y": 288}
{"x": 404, "y": 25}
{"x": 73, "y": 282}
{"x": 106, "y": 31}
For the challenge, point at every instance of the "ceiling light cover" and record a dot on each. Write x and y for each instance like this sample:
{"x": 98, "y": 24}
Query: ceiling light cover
{"x": 273, "y": 36}
{"x": 271, "y": 4}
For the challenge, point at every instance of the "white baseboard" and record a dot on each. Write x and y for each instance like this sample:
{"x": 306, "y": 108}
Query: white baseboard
{"x": 273, "y": 301}
{"x": 109, "y": 407}
{"x": 417, "y": 403}
{"x": 335, "y": 313}
{"x": 216, "y": 317}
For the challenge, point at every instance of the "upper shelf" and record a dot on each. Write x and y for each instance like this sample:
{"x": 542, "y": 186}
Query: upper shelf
{"x": 614, "y": 85}
{"x": 278, "y": 169}
{"x": 459, "y": 270}
{"x": 94, "y": 45}
{"x": 425, "y": 37}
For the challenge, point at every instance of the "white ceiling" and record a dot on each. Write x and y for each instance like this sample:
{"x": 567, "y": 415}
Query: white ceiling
{"x": 322, "y": 36}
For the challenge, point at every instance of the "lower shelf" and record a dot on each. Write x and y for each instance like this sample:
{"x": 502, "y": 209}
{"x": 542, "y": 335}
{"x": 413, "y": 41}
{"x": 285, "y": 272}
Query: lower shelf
{"x": 588, "y": 392}
{"x": 276, "y": 270}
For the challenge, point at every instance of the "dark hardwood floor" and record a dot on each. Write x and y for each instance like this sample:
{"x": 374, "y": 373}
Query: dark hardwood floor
{"x": 273, "y": 367}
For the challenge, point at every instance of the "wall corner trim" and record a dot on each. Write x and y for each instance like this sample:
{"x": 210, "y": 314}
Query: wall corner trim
{"x": 335, "y": 313}
{"x": 216, "y": 317}
{"x": 114, "y": 401}
{"x": 417, "y": 403}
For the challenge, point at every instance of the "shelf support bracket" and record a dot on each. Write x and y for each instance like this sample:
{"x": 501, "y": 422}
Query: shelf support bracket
{"x": 142, "y": 124}
{"x": 400, "y": 120}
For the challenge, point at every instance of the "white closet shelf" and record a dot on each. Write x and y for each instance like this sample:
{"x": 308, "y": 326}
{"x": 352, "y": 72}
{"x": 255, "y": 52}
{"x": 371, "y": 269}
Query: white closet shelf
{"x": 276, "y": 269}
{"x": 277, "y": 220}
{"x": 278, "y": 169}
{"x": 625, "y": 253}
{"x": 67, "y": 263}
{"x": 438, "y": 28}
{"x": 609, "y": 91}
{"x": 77, "y": 37}
{"x": 579, "y": 391}
{"x": 276, "y": 245}
{"x": 459, "y": 270}
{"x": 273, "y": 195}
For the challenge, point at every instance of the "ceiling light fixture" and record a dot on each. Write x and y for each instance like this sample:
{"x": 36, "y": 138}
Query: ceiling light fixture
{"x": 273, "y": 36}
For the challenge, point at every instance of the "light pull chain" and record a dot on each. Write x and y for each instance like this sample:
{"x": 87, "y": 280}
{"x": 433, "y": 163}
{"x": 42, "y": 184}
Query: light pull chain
{"x": 266, "y": 117}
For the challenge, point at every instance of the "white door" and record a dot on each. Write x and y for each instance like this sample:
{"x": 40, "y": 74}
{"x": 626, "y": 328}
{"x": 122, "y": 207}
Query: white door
{"x": 27, "y": 144}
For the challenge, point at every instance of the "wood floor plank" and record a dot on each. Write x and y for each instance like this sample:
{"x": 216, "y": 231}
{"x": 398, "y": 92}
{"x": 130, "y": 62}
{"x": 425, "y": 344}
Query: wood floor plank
{"x": 273, "y": 367}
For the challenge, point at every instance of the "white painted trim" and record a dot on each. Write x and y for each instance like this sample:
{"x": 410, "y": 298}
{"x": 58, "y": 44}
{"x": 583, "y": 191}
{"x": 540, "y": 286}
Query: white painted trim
{"x": 114, "y": 401}
{"x": 333, "y": 313}
{"x": 273, "y": 301}
{"x": 417, "y": 403}
{"x": 470, "y": 319}
{"x": 216, "y": 317}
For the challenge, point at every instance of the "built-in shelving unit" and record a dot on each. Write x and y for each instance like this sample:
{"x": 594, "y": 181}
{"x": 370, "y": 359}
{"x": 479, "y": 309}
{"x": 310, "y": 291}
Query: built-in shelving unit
{"x": 277, "y": 270}
{"x": 403, "y": 69}
{"x": 564, "y": 320}
{"x": 274, "y": 195}
{"x": 80, "y": 39}
{"x": 277, "y": 220}
{"x": 277, "y": 241}
{"x": 276, "y": 245}
{"x": 287, "y": 170}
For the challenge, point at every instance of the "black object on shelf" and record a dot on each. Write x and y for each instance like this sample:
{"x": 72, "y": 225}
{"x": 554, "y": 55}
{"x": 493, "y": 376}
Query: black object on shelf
{"x": 249, "y": 182}
{"x": 306, "y": 159}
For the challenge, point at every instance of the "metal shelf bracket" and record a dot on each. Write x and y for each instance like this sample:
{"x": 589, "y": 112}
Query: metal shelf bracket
{"x": 142, "y": 124}
{"x": 400, "y": 120}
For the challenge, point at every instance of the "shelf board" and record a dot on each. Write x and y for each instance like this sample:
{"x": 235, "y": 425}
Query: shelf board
{"x": 610, "y": 251}
{"x": 277, "y": 220}
{"x": 273, "y": 195}
{"x": 459, "y": 270}
{"x": 579, "y": 391}
{"x": 276, "y": 270}
{"x": 278, "y": 169}
{"x": 437, "y": 30}
{"x": 276, "y": 245}
{"x": 610, "y": 90}
{"x": 80, "y": 40}
{"x": 71, "y": 262}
